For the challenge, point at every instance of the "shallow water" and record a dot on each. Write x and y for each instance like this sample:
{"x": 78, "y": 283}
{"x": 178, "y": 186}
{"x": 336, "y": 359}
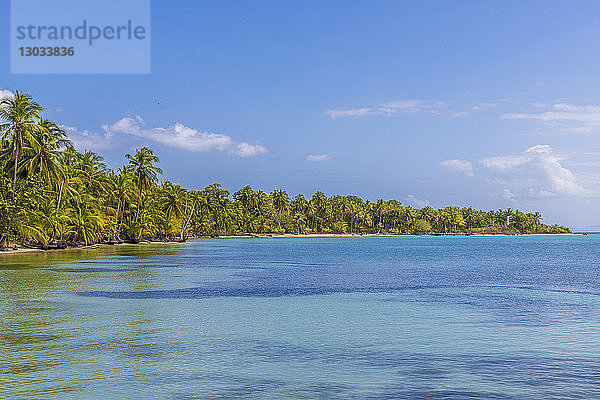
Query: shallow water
{"x": 374, "y": 317}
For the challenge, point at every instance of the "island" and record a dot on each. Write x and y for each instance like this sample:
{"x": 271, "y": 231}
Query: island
{"x": 53, "y": 196}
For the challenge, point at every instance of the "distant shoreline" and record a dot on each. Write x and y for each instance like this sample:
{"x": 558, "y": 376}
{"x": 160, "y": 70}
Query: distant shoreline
{"x": 27, "y": 250}
{"x": 347, "y": 235}
{"x": 392, "y": 235}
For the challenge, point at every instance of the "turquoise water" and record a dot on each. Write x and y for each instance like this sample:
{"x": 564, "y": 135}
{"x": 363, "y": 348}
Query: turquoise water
{"x": 348, "y": 318}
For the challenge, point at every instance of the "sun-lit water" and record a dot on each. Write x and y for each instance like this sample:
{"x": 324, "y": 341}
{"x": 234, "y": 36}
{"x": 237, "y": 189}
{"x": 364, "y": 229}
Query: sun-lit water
{"x": 375, "y": 318}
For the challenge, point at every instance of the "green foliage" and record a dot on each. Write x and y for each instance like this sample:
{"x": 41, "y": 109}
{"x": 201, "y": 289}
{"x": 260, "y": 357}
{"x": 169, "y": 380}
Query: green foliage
{"x": 422, "y": 226}
{"x": 51, "y": 194}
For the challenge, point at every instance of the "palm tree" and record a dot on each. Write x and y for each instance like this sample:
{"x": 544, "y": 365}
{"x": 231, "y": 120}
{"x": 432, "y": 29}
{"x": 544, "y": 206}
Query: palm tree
{"x": 72, "y": 196}
{"x": 244, "y": 196}
{"x": 172, "y": 202}
{"x": 300, "y": 210}
{"x": 281, "y": 203}
{"x": 172, "y": 199}
{"x": 143, "y": 168}
{"x": 122, "y": 192}
{"x": 536, "y": 219}
{"x": 456, "y": 219}
{"x": 44, "y": 158}
{"x": 410, "y": 215}
{"x": 319, "y": 203}
{"x": 195, "y": 198}
{"x": 470, "y": 216}
{"x": 216, "y": 199}
{"x": 90, "y": 168}
{"x": 86, "y": 220}
{"x": 428, "y": 214}
{"x": 21, "y": 115}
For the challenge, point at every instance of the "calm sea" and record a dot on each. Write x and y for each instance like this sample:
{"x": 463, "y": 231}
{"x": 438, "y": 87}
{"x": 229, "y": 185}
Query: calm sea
{"x": 330, "y": 318}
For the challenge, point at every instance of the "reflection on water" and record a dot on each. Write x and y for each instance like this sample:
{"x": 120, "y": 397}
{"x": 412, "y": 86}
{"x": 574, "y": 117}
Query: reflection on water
{"x": 381, "y": 318}
{"x": 85, "y": 255}
{"x": 40, "y": 331}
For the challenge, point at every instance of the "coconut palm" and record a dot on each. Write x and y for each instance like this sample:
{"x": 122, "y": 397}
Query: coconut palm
{"x": 50, "y": 191}
{"x": 281, "y": 203}
{"x": 143, "y": 168}
{"x": 20, "y": 115}
{"x": 44, "y": 158}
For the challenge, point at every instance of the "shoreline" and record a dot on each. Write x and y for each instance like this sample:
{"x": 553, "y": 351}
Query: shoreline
{"x": 26, "y": 250}
{"x": 347, "y": 235}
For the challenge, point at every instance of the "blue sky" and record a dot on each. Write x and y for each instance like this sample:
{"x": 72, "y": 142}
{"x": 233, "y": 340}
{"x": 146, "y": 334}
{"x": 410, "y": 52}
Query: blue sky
{"x": 491, "y": 104}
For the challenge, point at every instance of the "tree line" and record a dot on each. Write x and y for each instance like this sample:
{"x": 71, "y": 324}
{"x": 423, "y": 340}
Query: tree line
{"x": 52, "y": 195}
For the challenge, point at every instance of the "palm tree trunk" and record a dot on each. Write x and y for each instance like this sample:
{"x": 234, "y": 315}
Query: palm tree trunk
{"x": 122, "y": 213}
{"x": 183, "y": 226}
{"x": 60, "y": 195}
{"x": 14, "y": 188}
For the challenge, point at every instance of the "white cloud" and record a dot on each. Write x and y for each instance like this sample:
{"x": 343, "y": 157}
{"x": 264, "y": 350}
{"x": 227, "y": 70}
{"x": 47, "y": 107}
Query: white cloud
{"x": 5, "y": 94}
{"x": 507, "y": 194}
{"x": 566, "y": 117}
{"x": 413, "y": 201}
{"x": 356, "y": 112}
{"x": 318, "y": 157}
{"x": 413, "y": 106}
{"x": 483, "y": 106}
{"x": 390, "y": 108}
{"x": 186, "y": 138}
{"x": 536, "y": 173}
{"x": 503, "y": 163}
{"x": 541, "y": 194}
{"x": 461, "y": 166}
{"x": 539, "y": 149}
{"x": 247, "y": 150}
{"x": 84, "y": 140}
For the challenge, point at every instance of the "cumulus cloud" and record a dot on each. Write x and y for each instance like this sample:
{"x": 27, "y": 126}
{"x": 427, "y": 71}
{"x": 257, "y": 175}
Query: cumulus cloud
{"x": 390, "y": 108}
{"x": 504, "y": 163}
{"x": 4, "y": 94}
{"x": 318, "y": 157}
{"x": 247, "y": 150}
{"x": 85, "y": 140}
{"x": 566, "y": 117}
{"x": 183, "y": 137}
{"x": 415, "y": 202}
{"x": 537, "y": 173}
{"x": 461, "y": 166}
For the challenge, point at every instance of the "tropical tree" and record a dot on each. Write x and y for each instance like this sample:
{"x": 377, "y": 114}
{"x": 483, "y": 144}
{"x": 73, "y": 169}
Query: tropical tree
{"x": 143, "y": 167}
{"x": 20, "y": 115}
{"x": 52, "y": 194}
{"x": 281, "y": 203}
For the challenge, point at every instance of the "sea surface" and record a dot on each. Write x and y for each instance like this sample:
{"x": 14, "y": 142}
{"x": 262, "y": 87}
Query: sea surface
{"x": 496, "y": 317}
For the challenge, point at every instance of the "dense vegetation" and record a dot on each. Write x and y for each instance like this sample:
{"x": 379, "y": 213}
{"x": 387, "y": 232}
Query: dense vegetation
{"x": 53, "y": 195}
